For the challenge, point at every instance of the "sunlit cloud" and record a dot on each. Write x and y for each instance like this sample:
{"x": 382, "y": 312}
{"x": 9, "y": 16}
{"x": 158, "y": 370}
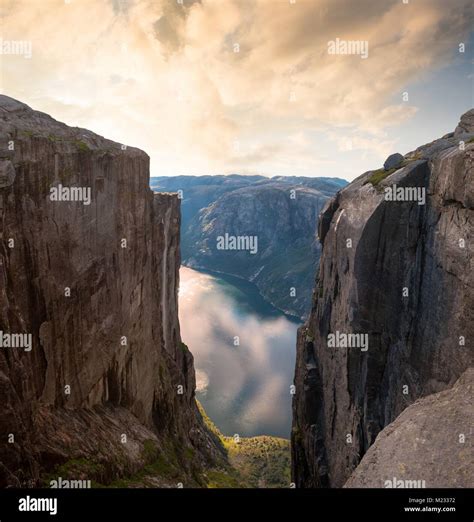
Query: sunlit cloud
{"x": 186, "y": 82}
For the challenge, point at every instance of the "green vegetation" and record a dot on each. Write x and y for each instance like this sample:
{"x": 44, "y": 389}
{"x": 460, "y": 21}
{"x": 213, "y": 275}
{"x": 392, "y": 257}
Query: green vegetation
{"x": 295, "y": 266}
{"x": 255, "y": 461}
{"x": 417, "y": 156}
{"x": 378, "y": 175}
{"x": 159, "y": 468}
{"x": 162, "y": 468}
{"x": 150, "y": 450}
{"x": 189, "y": 453}
{"x": 82, "y": 145}
{"x": 76, "y": 469}
{"x": 252, "y": 462}
{"x": 208, "y": 422}
{"x": 471, "y": 140}
{"x": 262, "y": 462}
{"x": 222, "y": 479}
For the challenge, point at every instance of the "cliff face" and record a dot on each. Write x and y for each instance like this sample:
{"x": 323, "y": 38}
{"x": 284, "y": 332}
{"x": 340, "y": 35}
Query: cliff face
{"x": 95, "y": 284}
{"x": 430, "y": 441}
{"x": 280, "y": 212}
{"x": 401, "y": 273}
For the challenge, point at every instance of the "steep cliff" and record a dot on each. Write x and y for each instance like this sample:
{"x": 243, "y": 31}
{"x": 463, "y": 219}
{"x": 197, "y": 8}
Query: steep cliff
{"x": 430, "y": 441}
{"x": 92, "y": 275}
{"x": 401, "y": 273}
{"x": 279, "y": 212}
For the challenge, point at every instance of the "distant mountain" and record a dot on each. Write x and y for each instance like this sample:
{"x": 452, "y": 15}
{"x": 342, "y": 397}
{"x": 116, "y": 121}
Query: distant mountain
{"x": 279, "y": 213}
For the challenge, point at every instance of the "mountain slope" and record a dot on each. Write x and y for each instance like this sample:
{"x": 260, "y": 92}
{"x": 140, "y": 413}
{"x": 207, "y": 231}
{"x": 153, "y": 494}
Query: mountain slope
{"x": 280, "y": 213}
{"x": 401, "y": 273}
{"x": 255, "y": 462}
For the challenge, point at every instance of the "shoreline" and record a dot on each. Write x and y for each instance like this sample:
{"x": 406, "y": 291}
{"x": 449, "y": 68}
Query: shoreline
{"x": 291, "y": 317}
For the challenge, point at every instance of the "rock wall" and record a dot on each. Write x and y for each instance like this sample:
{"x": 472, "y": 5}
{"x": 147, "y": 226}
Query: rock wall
{"x": 429, "y": 443}
{"x": 96, "y": 287}
{"x": 401, "y": 273}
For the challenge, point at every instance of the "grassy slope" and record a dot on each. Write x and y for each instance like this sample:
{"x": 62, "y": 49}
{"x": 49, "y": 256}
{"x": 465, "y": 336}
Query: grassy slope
{"x": 255, "y": 462}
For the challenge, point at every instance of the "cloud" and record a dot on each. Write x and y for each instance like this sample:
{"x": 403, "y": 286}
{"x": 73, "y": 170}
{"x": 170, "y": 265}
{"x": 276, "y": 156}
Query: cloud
{"x": 357, "y": 142}
{"x": 166, "y": 77}
{"x": 244, "y": 387}
{"x": 262, "y": 410}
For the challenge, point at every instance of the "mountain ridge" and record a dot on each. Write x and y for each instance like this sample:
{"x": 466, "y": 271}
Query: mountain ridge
{"x": 281, "y": 212}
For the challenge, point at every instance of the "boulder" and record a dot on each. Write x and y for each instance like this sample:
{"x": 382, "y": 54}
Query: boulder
{"x": 466, "y": 124}
{"x": 393, "y": 161}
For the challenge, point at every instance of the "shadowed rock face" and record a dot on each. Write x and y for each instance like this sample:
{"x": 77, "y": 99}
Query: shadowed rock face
{"x": 117, "y": 386}
{"x": 407, "y": 282}
{"x": 430, "y": 441}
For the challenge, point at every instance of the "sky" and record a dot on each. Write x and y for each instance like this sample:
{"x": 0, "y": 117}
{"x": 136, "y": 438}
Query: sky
{"x": 246, "y": 86}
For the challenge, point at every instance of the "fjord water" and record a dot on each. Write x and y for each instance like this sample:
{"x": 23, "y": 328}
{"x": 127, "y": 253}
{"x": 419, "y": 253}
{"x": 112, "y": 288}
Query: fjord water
{"x": 243, "y": 353}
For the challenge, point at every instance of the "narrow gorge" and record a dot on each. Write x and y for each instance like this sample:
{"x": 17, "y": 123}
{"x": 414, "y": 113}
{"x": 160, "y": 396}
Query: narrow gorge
{"x": 106, "y": 390}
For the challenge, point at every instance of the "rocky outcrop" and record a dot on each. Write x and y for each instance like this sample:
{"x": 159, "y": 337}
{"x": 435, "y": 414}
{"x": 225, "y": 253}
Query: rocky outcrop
{"x": 92, "y": 275}
{"x": 429, "y": 443}
{"x": 279, "y": 212}
{"x": 466, "y": 124}
{"x": 396, "y": 270}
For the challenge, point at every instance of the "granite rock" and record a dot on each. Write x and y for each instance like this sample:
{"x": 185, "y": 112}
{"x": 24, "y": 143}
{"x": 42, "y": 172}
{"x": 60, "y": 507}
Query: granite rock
{"x": 401, "y": 273}
{"x": 95, "y": 285}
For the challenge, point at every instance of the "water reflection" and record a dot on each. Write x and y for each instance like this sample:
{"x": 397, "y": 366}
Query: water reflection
{"x": 244, "y": 354}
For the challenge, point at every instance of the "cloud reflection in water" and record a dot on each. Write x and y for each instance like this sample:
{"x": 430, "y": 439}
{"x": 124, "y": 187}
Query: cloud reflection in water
{"x": 245, "y": 389}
